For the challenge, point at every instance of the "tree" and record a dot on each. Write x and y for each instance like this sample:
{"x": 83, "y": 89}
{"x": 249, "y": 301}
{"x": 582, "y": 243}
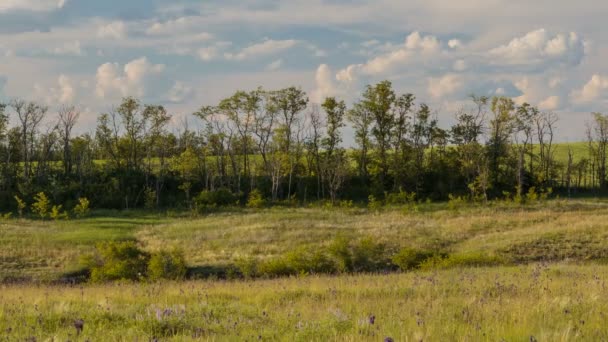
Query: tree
{"x": 401, "y": 145}
{"x": 30, "y": 115}
{"x": 290, "y": 103}
{"x": 523, "y": 123}
{"x": 335, "y": 163}
{"x": 362, "y": 120}
{"x": 68, "y": 116}
{"x": 597, "y": 135}
{"x": 465, "y": 135}
{"x": 501, "y": 127}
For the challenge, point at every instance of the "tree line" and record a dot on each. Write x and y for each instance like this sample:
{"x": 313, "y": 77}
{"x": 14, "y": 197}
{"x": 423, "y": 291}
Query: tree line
{"x": 281, "y": 147}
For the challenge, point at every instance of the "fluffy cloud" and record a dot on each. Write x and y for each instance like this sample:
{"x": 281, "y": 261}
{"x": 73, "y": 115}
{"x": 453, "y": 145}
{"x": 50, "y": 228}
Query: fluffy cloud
{"x": 325, "y": 85}
{"x": 415, "y": 45}
{"x": 266, "y": 48}
{"x": 539, "y": 47}
{"x": 128, "y": 82}
{"x": 593, "y": 90}
{"x": 183, "y": 25}
{"x": 62, "y": 92}
{"x": 114, "y": 30}
{"x": 31, "y": 5}
{"x": 550, "y": 103}
{"x": 443, "y": 86}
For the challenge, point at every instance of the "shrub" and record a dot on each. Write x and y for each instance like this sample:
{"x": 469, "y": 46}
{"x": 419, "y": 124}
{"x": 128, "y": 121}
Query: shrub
{"x": 373, "y": 203}
{"x": 340, "y": 251}
{"x": 456, "y": 202}
{"x": 408, "y": 259}
{"x": 41, "y": 205}
{"x": 248, "y": 267}
{"x": 167, "y": 265}
{"x": 117, "y": 261}
{"x": 57, "y": 214}
{"x": 309, "y": 261}
{"x": 401, "y": 197}
{"x": 474, "y": 259}
{"x": 21, "y": 205}
{"x": 369, "y": 256}
{"x": 255, "y": 199}
{"x": 82, "y": 209}
{"x": 217, "y": 198}
{"x": 272, "y": 268}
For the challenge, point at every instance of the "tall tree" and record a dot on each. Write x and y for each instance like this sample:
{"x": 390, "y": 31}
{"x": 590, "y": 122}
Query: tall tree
{"x": 501, "y": 127}
{"x": 68, "y": 116}
{"x": 597, "y": 135}
{"x": 335, "y": 163}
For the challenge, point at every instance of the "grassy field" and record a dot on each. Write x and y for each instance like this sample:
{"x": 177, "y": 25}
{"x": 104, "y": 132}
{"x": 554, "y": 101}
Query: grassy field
{"x": 551, "y": 285}
{"x": 528, "y": 303}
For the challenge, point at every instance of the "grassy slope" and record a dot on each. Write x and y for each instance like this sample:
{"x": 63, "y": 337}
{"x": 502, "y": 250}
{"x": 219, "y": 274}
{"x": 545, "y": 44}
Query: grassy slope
{"x": 555, "y": 230}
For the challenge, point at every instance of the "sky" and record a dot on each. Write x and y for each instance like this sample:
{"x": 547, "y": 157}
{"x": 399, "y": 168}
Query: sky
{"x": 185, "y": 54}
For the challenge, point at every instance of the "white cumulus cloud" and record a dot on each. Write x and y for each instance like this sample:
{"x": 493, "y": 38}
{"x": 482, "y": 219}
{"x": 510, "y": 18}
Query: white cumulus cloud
{"x": 114, "y": 30}
{"x": 539, "y": 47}
{"x": 266, "y": 48}
{"x": 31, "y": 5}
{"x": 592, "y": 90}
{"x": 130, "y": 81}
{"x": 446, "y": 85}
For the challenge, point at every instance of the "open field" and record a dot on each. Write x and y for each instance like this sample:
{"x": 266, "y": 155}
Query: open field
{"x": 526, "y": 303}
{"x": 549, "y": 284}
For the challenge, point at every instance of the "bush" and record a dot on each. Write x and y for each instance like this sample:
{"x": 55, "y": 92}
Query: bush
{"x": 167, "y": 265}
{"x": 255, "y": 199}
{"x": 21, "y": 205}
{"x": 82, "y": 209}
{"x": 41, "y": 205}
{"x": 218, "y": 198}
{"x": 117, "y": 261}
{"x": 57, "y": 214}
{"x": 408, "y": 259}
{"x": 474, "y": 259}
{"x": 456, "y": 202}
{"x": 373, "y": 203}
{"x": 340, "y": 252}
{"x": 248, "y": 267}
{"x": 275, "y": 268}
{"x": 370, "y": 256}
{"x": 309, "y": 261}
{"x": 401, "y": 197}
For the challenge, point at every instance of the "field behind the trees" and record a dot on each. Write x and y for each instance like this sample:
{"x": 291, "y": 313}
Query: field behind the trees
{"x": 501, "y": 271}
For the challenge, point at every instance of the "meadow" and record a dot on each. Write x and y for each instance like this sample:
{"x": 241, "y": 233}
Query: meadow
{"x": 546, "y": 280}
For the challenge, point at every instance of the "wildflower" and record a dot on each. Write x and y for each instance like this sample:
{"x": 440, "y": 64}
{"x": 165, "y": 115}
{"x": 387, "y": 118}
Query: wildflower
{"x": 389, "y": 339}
{"x": 79, "y": 326}
{"x": 372, "y": 319}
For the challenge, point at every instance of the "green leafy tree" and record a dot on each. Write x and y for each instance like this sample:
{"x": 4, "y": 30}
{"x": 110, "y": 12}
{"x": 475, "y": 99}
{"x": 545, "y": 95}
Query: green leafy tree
{"x": 41, "y": 205}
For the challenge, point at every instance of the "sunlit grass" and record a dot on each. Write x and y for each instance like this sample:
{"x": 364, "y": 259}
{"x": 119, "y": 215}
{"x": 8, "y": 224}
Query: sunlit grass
{"x": 547, "y": 303}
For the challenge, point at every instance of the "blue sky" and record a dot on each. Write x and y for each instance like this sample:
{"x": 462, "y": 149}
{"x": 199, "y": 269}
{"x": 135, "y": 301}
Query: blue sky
{"x": 185, "y": 54}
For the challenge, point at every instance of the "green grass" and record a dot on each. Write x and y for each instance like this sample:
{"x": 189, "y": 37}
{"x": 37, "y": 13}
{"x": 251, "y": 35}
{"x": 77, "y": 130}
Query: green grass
{"x": 513, "y": 272}
{"x": 544, "y": 303}
{"x": 553, "y": 231}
